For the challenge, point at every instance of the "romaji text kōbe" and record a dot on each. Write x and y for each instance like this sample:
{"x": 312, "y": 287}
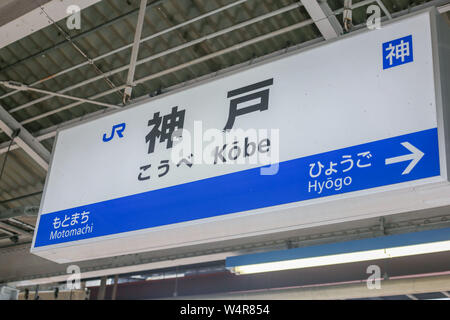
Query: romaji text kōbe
{"x": 234, "y": 151}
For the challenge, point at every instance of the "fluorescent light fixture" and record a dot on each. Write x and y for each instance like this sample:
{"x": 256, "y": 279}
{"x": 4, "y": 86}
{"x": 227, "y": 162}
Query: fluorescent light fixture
{"x": 344, "y": 252}
{"x": 164, "y": 276}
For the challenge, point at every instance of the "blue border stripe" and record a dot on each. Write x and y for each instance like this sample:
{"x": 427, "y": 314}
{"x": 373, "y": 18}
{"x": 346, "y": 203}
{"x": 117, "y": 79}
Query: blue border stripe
{"x": 248, "y": 190}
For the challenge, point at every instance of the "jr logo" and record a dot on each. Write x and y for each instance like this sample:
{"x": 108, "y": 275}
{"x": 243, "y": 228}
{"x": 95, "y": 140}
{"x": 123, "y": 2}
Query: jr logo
{"x": 119, "y": 128}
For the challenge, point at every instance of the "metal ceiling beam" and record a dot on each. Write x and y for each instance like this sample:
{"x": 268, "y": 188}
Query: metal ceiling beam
{"x": 385, "y": 10}
{"x": 153, "y": 57}
{"x": 9, "y": 233}
{"x": 25, "y": 140}
{"x": 172, "y": 50}
{"x": 23, "y": 225}
{"x": 441, "y": 5}
{"x": 29, "y": 211}
{"x": 355, "y": 6}
{"x": 178, "y": 67}
{"x": 153, "y": 36}
{"x": 135, "y": 51}
{"x": 14, "y": 229}
{"x": 346, "y": 11}
{"x": 80, "y": 35}
{"x": 24, "y": 196}
{"x": 51, "y": 132}
{"x": 33, "y": 20}
{"x": 323, "y": 17}
{"x": 444, "y": 8}
{"x": 13, "y": 9}
{"x": 22, "y": 87}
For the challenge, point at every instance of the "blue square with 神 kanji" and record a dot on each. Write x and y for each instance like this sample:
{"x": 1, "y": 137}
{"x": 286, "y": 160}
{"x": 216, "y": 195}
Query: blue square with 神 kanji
{"x": 397, "y": 52}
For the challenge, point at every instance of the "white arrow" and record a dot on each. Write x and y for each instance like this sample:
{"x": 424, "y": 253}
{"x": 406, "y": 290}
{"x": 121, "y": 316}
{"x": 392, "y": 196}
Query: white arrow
{"x": 414, "y": 157}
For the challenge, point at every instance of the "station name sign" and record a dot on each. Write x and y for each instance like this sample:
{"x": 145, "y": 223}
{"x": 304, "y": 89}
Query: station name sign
{"x": 346, "y": 119}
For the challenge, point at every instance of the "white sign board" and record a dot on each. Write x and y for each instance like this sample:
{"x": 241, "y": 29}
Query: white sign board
{"x": 286, "y": 144}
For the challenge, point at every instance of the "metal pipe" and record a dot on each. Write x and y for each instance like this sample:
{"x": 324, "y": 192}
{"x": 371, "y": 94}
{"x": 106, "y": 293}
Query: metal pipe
{"x": 22, "y": 224}
{"x": 224, "y": 51}
{"x": 123, "y": 48}
{"x": 14, "y": 229}
{"x": 442, "y": 9}
{"x": 78, "y": 48}
{"x": 182, "y": 66}
{"x": 22, "y": 87}
{"x": 21, "y": 197}
{"x": 327, "y": 24}
{"x": 134, "y": 52}
{"x": 9, "y": 233}
{"x": 102, "y": 289}
{"x": 161, "y": 54}
{"x": 43, "y": 115}
{"x": 51, "y": 132}
{"x": 177, "y": 48}
{"x": 24, "y": 139}
{"x": 386, "y": 11}
{"x": 355, "y": 6}
{"x": 79, "y": 35}
{"x": 114, "y": 290}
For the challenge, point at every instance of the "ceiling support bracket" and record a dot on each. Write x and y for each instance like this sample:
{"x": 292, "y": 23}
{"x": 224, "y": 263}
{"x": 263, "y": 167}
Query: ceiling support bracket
{"x": 135, "y": 52}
